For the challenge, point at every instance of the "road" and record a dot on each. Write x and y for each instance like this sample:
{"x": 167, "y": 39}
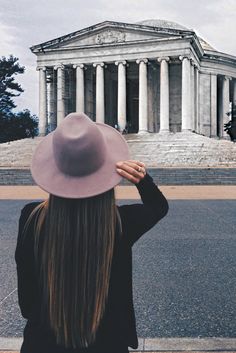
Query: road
{"x": 184, "y": 271}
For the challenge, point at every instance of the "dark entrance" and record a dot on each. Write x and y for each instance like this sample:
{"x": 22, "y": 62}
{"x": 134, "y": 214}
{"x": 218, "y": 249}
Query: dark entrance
{"x": 132, "y": 98}
{"x": 111, "y": 93}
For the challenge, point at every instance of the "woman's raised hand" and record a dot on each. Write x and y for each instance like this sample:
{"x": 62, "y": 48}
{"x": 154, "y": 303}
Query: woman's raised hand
{"x": 134, "y": 171}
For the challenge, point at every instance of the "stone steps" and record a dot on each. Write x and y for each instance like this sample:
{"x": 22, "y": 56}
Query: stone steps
{"x": 182, "y": 149}
{"x": 162, "y": 176}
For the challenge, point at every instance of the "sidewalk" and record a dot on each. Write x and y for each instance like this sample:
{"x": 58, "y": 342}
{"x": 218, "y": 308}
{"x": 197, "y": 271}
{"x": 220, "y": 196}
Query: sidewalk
{"x": 171, "y": 192}
{"x": 160, "y": 345}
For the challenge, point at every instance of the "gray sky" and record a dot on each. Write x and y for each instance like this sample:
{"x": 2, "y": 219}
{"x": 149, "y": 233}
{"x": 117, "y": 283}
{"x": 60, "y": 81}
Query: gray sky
{"x": 24, "y": 23}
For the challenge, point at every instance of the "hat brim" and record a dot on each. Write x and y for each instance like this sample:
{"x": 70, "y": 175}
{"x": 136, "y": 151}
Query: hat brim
{"x": 47, "y": 175}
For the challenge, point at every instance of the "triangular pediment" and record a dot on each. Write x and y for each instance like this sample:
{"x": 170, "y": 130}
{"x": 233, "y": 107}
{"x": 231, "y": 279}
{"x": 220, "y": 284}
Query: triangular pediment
{"x": 107, "y": 33}
{"x": 112, "y": 36}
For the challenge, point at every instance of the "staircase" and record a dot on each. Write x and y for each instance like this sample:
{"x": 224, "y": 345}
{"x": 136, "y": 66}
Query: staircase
{"x": 182, "y": 158}
{"x": 182, "y": 149}
{"x": 178, "y": 150}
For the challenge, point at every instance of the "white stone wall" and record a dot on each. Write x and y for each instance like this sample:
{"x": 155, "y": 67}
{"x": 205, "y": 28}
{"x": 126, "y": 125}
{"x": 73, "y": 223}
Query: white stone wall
{"x": 90, "y": 92}
{"x": 205, "y": 104}
{"x": 213, "y": 119}
{"x": 153, "y": 97}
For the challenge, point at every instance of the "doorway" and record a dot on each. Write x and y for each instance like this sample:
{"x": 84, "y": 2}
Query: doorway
{"x": 132, "y": 98}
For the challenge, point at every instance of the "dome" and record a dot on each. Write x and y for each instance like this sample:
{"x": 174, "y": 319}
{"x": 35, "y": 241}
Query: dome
{"x": 174, "y": 25}
{"x": 162, "y": 24}
{"x": 205, "y": 45}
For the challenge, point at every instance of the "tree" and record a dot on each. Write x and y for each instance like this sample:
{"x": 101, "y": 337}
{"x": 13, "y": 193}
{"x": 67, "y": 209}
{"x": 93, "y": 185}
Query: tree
{"x": 9, "y": 88}
{"x": 13, "y": 126}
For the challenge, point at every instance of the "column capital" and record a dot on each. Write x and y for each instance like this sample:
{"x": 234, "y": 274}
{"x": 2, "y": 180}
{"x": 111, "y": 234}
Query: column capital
{"x": 145, "y": 61}
{"x": 193, "y": 62}
{"x": 59, "y": 66}
{"x": 43, "y": 68}
{"x": 81, "y": 66}
{"x": 123, "y": 62}
{"x": 98, "y": 64}
{"x": 165, "y": 58}
{"x": 182, "y": 57}
{"x": 195, "y": 65}
{"x": 227, "y": 78}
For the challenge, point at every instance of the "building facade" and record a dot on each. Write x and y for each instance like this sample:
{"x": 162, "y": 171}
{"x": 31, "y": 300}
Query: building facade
{"x": 151, "y": 76}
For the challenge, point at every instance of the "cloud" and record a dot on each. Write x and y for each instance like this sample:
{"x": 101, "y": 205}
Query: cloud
{"x": 10, "y": 45}
{"x": 7, "y": 39}
{"x": 25, "y": 23}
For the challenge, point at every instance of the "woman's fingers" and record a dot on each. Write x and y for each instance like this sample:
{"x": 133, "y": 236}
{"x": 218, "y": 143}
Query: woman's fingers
{"x": 141, "y": 164}
{"x": 135, "y": 165}
{"x": 137, "y": 168}
{"x": 131, "y": 170}
{"x": 128, "y": 176}
{"x": 131, "y": 167}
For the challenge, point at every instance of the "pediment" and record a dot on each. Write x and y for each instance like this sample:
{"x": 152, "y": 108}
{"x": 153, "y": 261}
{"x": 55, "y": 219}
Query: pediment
{"x": 106, "y": 33}
{"x": 111, "y": 36}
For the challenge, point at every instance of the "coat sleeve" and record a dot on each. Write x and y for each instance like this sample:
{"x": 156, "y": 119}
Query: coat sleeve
{"x": 24, "y": 257}
{"x": 137, "y": 219}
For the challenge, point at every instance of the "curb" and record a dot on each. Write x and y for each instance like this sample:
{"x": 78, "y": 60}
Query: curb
{"x": 171, "y": 192}
{"x": 211, "y": 344}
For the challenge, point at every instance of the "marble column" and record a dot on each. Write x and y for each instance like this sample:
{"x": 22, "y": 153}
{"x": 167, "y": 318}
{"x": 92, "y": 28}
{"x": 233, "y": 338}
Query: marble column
{"x": 100, "y": 96}
{"x": 192, "y": 93}
{"x": 60, "y": 93}
{"x": 42, "y": 101}
{"x": 70, "y": 96}
{"x": 197, "y": 128}
{"x": 213, "y": 105}
{"x": 226, "y": 103}
{"x": 164, "y": 94}
{"x": 52, "y": 100}
{"x": 143, "y": 116}
{"x": 79, "y": 87}
{"x": 234, "y": 99}
{"x": 186, "y": 94}
{"x": 121, "y": 106}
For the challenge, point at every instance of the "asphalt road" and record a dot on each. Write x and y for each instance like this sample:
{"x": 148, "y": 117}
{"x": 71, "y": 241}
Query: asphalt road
{"x": 184, "y": 271}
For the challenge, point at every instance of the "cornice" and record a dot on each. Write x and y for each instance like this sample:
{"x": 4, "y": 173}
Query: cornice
{"x": 106, "y": 25}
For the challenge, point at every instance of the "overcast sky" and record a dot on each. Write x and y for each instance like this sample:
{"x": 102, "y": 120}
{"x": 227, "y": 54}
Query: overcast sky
{"x": 24, "y": 23}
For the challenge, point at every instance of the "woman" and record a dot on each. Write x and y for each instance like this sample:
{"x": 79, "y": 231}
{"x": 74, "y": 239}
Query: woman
{"x": 74, "y": 250}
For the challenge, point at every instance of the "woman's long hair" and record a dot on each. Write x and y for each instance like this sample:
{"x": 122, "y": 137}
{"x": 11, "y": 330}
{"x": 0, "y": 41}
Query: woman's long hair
{"x": 74, "y": 243}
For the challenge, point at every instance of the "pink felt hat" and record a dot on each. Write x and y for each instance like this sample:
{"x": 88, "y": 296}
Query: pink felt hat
{"x": 78, "y": 159}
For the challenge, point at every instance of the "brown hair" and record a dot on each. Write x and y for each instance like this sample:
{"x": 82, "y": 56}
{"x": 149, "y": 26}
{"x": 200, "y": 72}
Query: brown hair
{"x": 74, "y": 256}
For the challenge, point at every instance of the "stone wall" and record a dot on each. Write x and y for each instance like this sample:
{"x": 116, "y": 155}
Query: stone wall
{"x": 162, "y": 176}
{"x": 153, "y": 97}
{"x": 205, "y": 104}
{"x": 90, "y": 92}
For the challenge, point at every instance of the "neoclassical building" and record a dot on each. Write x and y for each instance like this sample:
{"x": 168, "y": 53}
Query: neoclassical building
{"x": 150, "y": 76}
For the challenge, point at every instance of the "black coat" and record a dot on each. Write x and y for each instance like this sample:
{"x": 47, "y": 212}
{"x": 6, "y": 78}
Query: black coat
{"x": 117, "y": 329}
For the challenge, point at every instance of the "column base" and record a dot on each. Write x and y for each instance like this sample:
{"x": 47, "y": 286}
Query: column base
{"x": 41, "y": 134}
{"x": 141, "y": 132}
{"x": 226, "y": 137}
{"x": 164, "y": 131}
{"x": 187, "y": 130}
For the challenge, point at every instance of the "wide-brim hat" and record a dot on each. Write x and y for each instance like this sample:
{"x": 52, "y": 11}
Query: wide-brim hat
{"x": 78, "y": 159}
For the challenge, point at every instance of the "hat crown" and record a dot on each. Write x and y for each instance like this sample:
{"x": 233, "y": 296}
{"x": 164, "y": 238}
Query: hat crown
{"x": 78, "y": 145}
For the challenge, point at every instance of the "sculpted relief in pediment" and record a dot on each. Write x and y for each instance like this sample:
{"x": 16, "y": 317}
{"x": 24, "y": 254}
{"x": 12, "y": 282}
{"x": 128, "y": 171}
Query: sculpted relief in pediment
{"x": 110, "y": 36}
